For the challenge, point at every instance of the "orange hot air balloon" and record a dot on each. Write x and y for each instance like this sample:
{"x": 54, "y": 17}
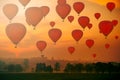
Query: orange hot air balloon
{"x": 10, "y": 11}
{"x": 41, "y": 45}
{"x": 71, "y": 50}
{"x": 33, "y": 15}
{"x": 77, "y": 34}
{"x": 55, "y": 34}
{"x": 45, "y": 10}
{"x": 89, "y": 43}
{"x": 63, "y": 10}
{"x": 24, "y": 2}
{"x": 78, "y": 7}
{"x": 70, "y": 18}
{"x": 52, "y": 23}
{"x": 15, "y": 32}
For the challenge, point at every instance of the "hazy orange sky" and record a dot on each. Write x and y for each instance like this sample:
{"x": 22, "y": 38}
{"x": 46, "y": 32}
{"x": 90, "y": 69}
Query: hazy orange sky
{"x": 27, "y": 46}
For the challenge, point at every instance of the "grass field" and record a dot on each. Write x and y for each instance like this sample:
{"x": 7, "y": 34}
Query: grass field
{"x": 58, "y": 76}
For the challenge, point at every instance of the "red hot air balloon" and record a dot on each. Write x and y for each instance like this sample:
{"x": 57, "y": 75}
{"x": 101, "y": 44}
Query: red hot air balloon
{"x": 33, "y": 15}
{"x": 114, "y": 22}
{"x": 89, "y": 25}
{"x": 71, "y": 50}
{"x": 110, "y": 6}
{"x": 106, "y": 27}
{"x": 116, "y": 37}
{"x": 78, "y": 7}
{"x": 89, "y": 43}
{"x": 107, "y": 45}
{"x": 63, "y": 10}
{"x": 61, "y": 2}
{"x": 55, "y": 34}
{"x": 70, "y": 18}
{"x": 52, "y": 23}
{"x": 10, "y": 11}
{"x": 83, "y": 21}
{"x": 97, "y": 15}
{"x": 94, "y": 55}
{"x": 24, "y": 2}
{"x": 45, "y": 10}
{"x": 41, "y": 45}
{"x": 15, "y": 32}
{"x": 77, "y": 34}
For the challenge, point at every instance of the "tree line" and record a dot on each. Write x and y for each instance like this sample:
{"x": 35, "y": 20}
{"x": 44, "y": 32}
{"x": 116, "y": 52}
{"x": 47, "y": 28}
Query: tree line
{"x": 98, "y": 67}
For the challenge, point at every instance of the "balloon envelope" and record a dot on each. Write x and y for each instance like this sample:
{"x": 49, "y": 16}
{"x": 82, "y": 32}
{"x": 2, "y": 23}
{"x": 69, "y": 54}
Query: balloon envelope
{"x": 52, "y": 23}
{"x": 15, "y": 32}
{"x": 41, "y": 45}
{"x": 71, "y": 50}
{"x": 70, "y": 18}
{"x": 97, "y": 15}
{"x": 61, "y": 2}
{"x": 24, "y": 2}
{"x": 83, "y": 21}
{"x": 33, "y": 15}
{"x": 110, "y": 6}
{"x": 78, "y": 7}
{"x": 89, "y": 43}
{"x": 107, "y": 45}
{"x": 55, "y": 34}
{"x": 63, "y": 10}
{"x": 45, "y": 10}
{"x": 10, "y": 11}
{"x": 77, "y": 34}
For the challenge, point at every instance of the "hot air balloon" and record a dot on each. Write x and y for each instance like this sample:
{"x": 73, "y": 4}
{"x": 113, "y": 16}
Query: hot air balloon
{"x": 63, "y": 10}
{"x": 116, "y": 37}
{"x": 52, "y": 23}
{"x": 71, "y": 49}
{"x": 106, "y": 27}
{"x": 110, "y": 6}
{"x": 10, "y": 11}
{"x": 107, "y": 45}
{"x": 24, "y": 2}
{"x": 83, "y": 21}
{"x": 33, "y": 15}
{"x": 61, "y": 2}
{"x": 55, "y": 34}
{"x": 15, "y": 32}
{"x": 94, "y": 55}
{"x": 45, "y": 10}
{"x": 78, "y": 7}
{"x": 70, "y": 18}
{"x": 97, "y": 15}
{"x": 89, "y": 25}
{"x": 89, "y": 43}
{"x": 114, "y": 22}
{"x": 41, "y": 45}
{"x": 77, "y": 34}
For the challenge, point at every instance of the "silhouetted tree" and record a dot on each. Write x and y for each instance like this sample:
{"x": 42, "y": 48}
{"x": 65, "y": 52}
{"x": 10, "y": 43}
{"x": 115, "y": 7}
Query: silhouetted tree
{"x": 49, "y": 68}
{"x": 2, "y": 65}
{"x": 18, "y": 68}
{"x": 57, "y": 66}
{"x": 26, "y": 64}
{"x": 69, "y": 68}
{"x": 78, "y": 67}
{"x": 11, "y": 68}
{"x": 41, "y": 67}
{"x": 89, "y": 67}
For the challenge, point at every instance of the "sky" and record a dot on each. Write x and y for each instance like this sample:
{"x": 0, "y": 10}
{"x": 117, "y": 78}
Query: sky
{"x": 27, "y": 46}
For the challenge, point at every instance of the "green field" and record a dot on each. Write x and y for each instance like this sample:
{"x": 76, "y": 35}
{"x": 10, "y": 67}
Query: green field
{"x": 58, "y": 76}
